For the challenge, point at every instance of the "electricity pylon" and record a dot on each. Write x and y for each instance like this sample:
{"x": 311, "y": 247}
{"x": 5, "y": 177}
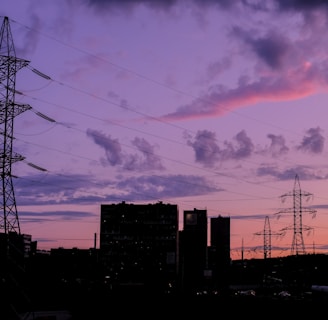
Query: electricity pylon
{"x": 297, "y": 210}
{"x": 12, "y": 285}
{"x": 267, "y": 238}
{"x": 9, "y": 66}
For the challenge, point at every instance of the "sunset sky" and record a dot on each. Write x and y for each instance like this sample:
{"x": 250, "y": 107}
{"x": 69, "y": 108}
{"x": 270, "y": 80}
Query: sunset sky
{"x": 206, "y": 104}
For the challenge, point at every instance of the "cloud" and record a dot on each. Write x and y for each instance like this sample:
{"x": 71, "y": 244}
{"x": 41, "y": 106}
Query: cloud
{"x": 205, "y": 147}
{"x": 300, "y": 5}
{"x": 44, "y": 216}
{"x": 111, "y": 146}
{"x": 271, "y": 49}
{"x": 243, "y": 149}
{"x": 282, "y": 69}
{"x": 299, "y": 84}
{"x": 304, "y": 172}
{"x": 281, "y": 5}
{"x": 127, "y": 6}
{"x": 150, "y": 162}
{"x": 81, "y": 189}
{"x": 314, "y": 141}
{"x": 209, "y": 153}
{"x": 163, "y": 187}
{"x": 249, "y": 217}
{"x": 215, "y": 69}
{"x": 158, "y": 4}
{"x": 146, "y": 160}
{"x": 46, "y": 189}
{"x": 277, "y": 146}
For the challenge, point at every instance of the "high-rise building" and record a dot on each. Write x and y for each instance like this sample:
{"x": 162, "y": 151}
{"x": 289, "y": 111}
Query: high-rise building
{"x": 193, "y": 251}
{"x": 139, "y": 246}
{"x": 219, "y": 253}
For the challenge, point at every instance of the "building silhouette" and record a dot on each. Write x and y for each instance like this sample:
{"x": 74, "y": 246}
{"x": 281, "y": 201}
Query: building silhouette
{"x": 219, "y": 252}
{"x": 144, "y": 259}
{"x": 139, "y": 247}
{"x": 193, "y": 251}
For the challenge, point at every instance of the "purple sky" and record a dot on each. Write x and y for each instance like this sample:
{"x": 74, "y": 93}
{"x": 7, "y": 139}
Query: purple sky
{"x": 207, "y": 104}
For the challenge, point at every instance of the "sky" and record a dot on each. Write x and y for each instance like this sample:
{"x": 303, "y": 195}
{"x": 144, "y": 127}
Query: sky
{"x": 216, "y": 105}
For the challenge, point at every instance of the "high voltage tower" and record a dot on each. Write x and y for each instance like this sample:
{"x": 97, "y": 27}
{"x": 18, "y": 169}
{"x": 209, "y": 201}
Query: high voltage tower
{"x": 12, "y": 248}
{"x": 297, "y": 210}
{"x": 267, "y": 237}
{"x": 9, "y": 66}
{"x": 11, "y": 239}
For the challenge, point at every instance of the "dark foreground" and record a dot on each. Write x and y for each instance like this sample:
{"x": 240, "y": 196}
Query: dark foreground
{"x": 201, "y": 307}
{"x": 98, "y": 307}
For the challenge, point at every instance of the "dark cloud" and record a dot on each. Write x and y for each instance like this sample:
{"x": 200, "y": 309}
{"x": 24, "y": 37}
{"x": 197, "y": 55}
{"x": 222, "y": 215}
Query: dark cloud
{"x": 148, "y": 160}
{"x": 46, "y": 189}
{"x": 300, "y": 5}
{"x": 272, "y": 49}
{"x": 156, "y": 4}
{"x": 44, "y": 216}
{"x": 209, "y": 153}
{"x": 259, "y": 216}
{"x": 303, "y": 6}
{"x": 206, "y": 149}
{"x": 320, "y": 206}
{"x": 296, "y": 5}
{"x": 162, "y": 187}
{"x": 79, "y": 189}
{"x": 304, "y": 172}
{"x": 242, "y": 147}
{"x": 278, "y": 145}
{"x": 313, "y": 142}
{"x": 111, "y": 146}
{"x": 129, "y": 5}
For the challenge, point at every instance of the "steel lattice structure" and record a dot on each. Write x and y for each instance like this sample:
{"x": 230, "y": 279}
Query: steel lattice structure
{"x": 297, "y": 210}
{"x": 267, "y": 238}
{"x": 9, "y": 66}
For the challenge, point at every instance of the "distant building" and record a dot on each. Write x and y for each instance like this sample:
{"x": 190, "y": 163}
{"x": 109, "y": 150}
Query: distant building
{"x": 193, "y": 251}
{"x": 139, "y": 246}
{"x": 16, "y": 246}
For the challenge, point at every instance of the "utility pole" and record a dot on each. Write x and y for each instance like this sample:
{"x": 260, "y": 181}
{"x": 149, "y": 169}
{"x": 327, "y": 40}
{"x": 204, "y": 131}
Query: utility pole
{"x": 297, "y": 210}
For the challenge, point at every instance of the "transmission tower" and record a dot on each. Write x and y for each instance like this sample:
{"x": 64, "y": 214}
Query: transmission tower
{"x": 267, "y": 238}
{"x": 9, "y": 66}
{"x": 297, "y": 210}
{"x": 12, "y": 285}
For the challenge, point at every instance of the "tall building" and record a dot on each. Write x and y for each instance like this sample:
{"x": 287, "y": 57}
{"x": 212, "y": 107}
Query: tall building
{"x": 219, "y": 256}
{"x": 193, "y": 251}
{"x": 139, "y": 246}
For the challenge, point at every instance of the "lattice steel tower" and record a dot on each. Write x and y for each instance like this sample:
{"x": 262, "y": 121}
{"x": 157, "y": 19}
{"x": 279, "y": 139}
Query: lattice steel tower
{"x": 267, "y": 238}
{"x": 9, "y": 66}
{"x": 297, "y": 210}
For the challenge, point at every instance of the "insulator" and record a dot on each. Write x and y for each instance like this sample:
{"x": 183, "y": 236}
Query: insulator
{"x": 41, "y": 74}
{"x": 36, "y": 167}
{"x": 44, "y": 116}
